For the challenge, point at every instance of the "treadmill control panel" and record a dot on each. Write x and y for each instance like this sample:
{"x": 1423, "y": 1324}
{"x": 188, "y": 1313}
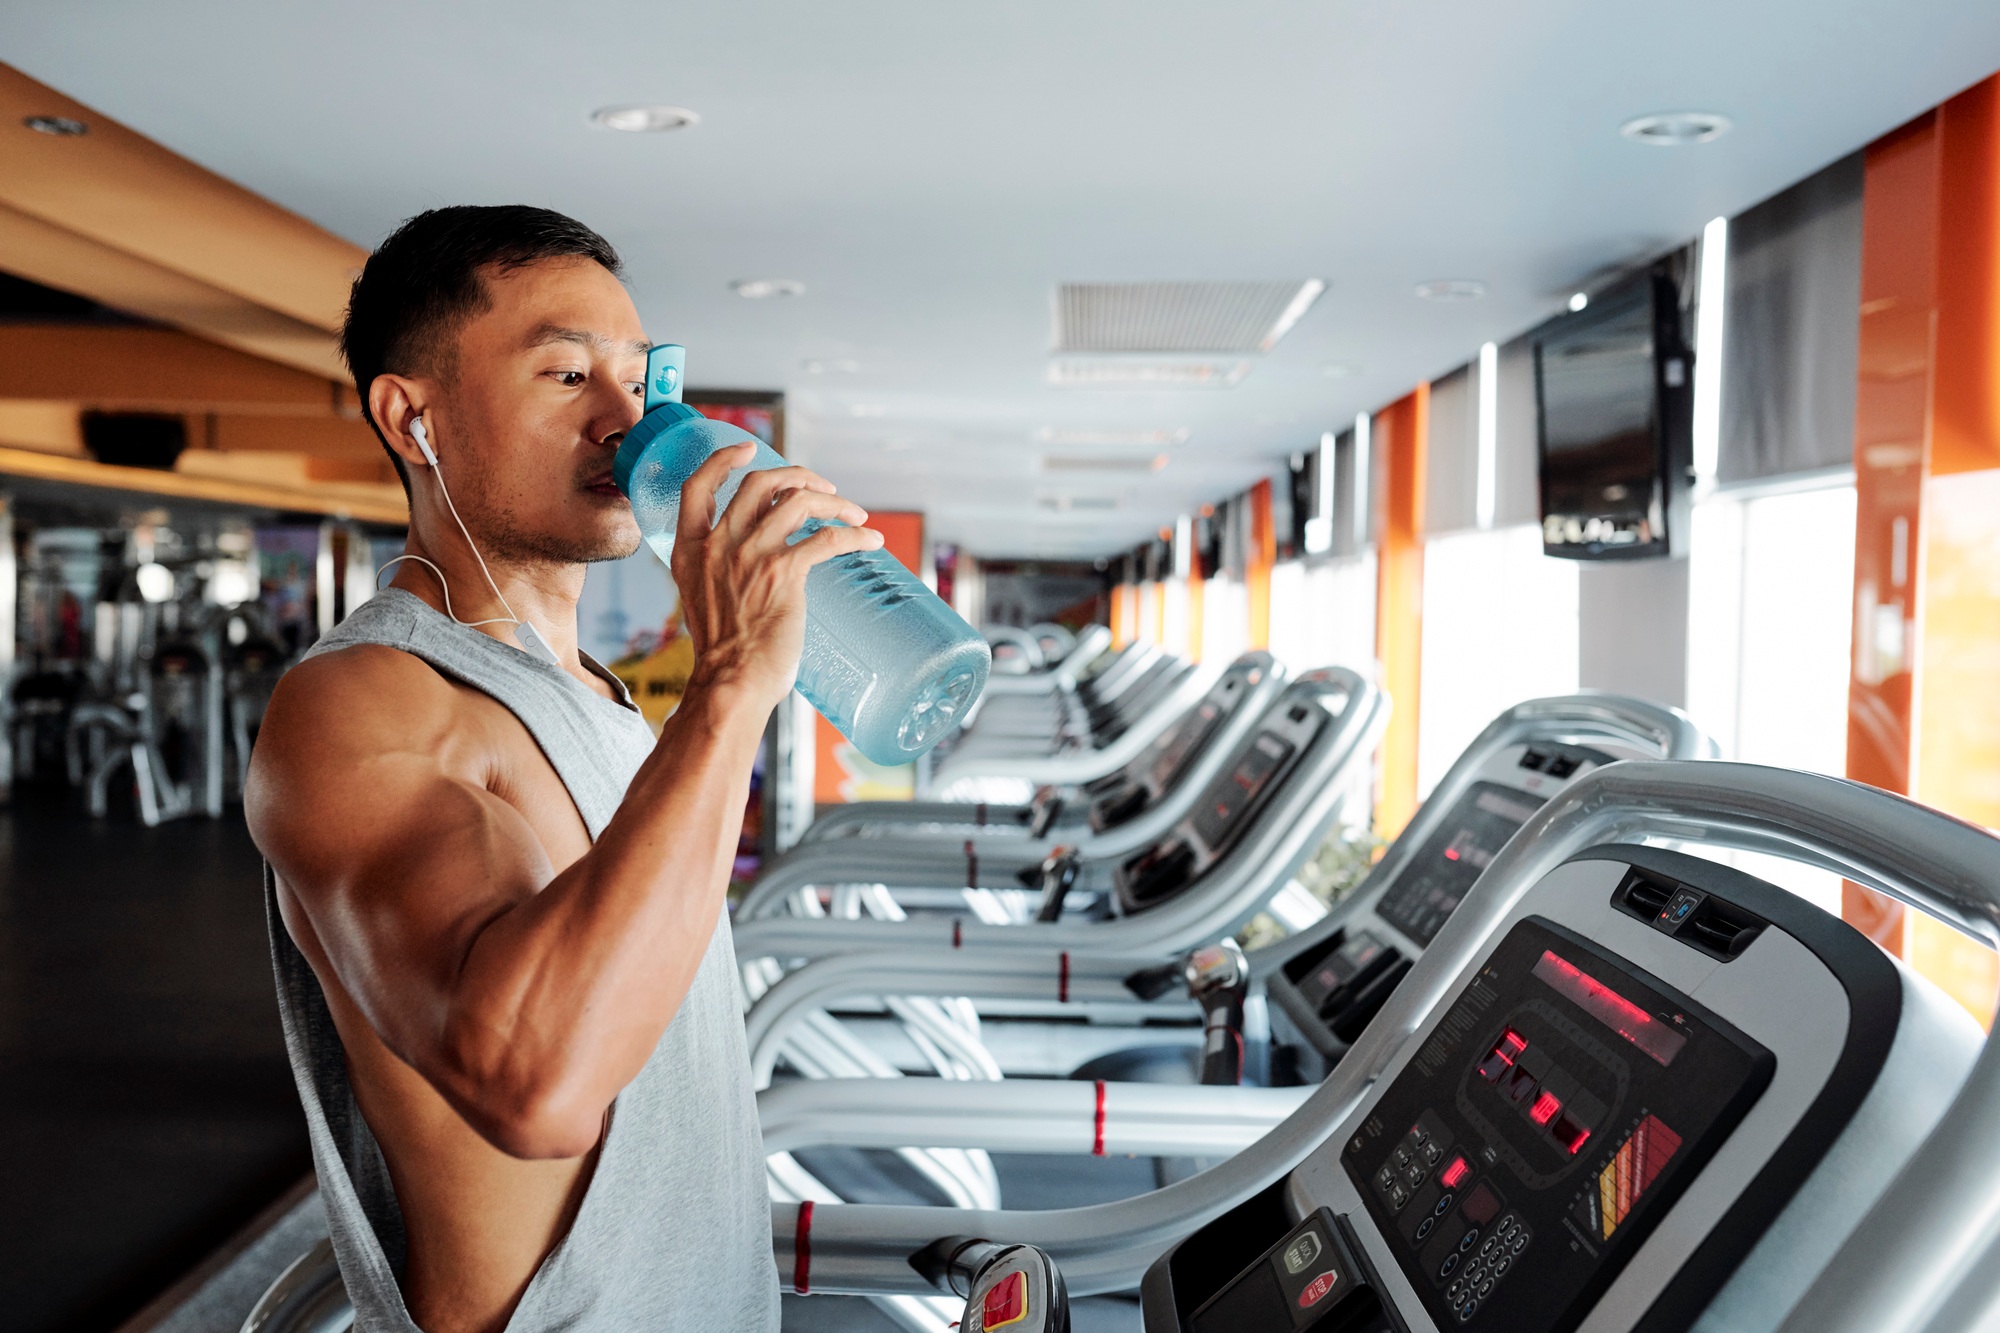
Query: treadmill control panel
{"x": 1549, "y": 1121}
{"x": 1224, "y": 810}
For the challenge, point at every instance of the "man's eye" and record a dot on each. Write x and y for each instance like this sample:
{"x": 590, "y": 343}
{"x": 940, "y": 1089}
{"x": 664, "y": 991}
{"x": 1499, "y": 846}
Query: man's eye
{"x": 637, "y": 388}
{"x": 569, "y": 379}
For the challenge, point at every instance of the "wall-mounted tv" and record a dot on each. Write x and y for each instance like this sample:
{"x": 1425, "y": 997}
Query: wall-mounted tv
{"x": 1614, "y": 383}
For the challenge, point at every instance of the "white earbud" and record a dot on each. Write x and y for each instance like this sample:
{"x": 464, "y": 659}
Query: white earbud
{"x": 525, "y": 634}
{"x": 423, "y": 439}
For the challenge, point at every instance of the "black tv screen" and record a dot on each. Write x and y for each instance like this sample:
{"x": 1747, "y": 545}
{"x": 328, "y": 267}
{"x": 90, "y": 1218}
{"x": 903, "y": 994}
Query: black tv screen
{"x": 1613, "y": 382}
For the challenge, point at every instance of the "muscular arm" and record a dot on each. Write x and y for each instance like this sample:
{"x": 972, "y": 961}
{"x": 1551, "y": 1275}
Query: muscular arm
{"x": 528, "y": 995}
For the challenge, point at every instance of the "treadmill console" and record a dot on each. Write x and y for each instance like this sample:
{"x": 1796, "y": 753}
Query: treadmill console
{"x": 1132, "y": 790}
{"x": 1450, "y": 860}
{"x": 1224, "y": 810}
{"x": 1331, "y": 983}
{"x": 1550, "y": 1120}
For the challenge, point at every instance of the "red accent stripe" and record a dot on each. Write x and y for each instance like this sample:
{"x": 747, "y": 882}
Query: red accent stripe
{"x": 1097, "y": 1127}
{"x": 971, "y": 866}
{"x": 979, "y": 814}
{"x": 957, "y": 933}
{"x": 802, "y": 1255}
{"x": 1062, "y": 980}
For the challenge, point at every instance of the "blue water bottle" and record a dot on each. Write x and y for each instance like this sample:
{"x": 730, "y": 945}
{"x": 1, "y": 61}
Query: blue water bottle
{"x": 885, "y": 659}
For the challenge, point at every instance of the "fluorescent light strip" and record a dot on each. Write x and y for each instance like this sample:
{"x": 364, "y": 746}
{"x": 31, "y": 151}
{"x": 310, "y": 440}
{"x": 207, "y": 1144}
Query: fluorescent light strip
{"x": 1708, "y": 353}
{"x": 1319, "y": 528}
{"x": 1489, "y": 436}
{"x": 1363, "y": 492}
{"x": 1308, "y": 292}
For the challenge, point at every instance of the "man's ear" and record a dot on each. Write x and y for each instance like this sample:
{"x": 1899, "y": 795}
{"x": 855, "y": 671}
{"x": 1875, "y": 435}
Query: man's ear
{"x": 394, "y": 403}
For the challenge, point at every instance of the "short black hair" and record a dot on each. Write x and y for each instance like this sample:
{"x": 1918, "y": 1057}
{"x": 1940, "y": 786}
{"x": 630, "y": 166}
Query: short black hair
{"x": 423, "y": 283}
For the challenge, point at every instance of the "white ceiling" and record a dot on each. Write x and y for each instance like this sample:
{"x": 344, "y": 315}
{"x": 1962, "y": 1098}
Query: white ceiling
{"x": 931, "y": 169}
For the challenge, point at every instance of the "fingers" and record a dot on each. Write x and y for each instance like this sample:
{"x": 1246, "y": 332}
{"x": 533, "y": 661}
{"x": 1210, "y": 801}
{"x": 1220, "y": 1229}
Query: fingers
{"x": 760, "y": 490}
{"x": 697, "y": 516}
{"x": 830, "y": 542}
{"x": 777, "y": 523}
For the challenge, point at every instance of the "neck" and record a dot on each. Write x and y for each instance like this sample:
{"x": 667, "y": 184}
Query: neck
{"x": 542, "y": 593}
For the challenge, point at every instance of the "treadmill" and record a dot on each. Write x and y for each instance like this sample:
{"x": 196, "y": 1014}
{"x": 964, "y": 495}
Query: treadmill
{"x": 1182, "y": 755}
{"x": 1626, "y": 1087}
{"x": 1306, "y": 997}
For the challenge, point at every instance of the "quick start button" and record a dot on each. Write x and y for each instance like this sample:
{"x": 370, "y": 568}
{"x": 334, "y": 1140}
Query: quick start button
{"x": 1312, "y": 1281}
{"x": 1006, "y": 1304}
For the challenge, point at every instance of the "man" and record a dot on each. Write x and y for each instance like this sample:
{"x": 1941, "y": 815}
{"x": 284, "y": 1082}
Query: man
{"x": 503, "y": 960}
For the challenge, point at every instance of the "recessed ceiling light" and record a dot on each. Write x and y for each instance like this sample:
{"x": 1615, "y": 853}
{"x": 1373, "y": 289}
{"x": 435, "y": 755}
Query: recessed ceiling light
{"x": 836, "y": 366}
{"x": 1451, "y": 289}
{"x": 60, "y": 126}
{"x": 1671, "y": 129}
{"x": 644, "y": 119}
{"x": 763, "y": 289}
{"x": 1579, "y": 301}
{"x": 1341, "y": 370}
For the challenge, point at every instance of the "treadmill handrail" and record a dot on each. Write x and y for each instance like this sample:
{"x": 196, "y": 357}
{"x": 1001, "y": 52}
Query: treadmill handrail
{"x": 1655, "y": 730}
{"x": 1074, "y": 767}
{"x": 1217, "y": 908}
{"x": 1921, "y": 1239}
{"x": 1007, "y": 843}
{"x": 1023, "y": 1115}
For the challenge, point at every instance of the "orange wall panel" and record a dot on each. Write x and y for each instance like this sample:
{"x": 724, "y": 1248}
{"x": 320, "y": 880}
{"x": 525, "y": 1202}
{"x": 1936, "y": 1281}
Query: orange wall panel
{"x": 1400, "y": 433}
{"x": 1263, "y": 555}
{"x": 1927, "y": 477}
{"x": 1891, "y": 440}
{"x": 840, "y": 774}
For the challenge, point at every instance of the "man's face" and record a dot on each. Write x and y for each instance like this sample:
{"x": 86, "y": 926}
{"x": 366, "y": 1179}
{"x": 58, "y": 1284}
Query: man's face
{"x": 546, "y": 381}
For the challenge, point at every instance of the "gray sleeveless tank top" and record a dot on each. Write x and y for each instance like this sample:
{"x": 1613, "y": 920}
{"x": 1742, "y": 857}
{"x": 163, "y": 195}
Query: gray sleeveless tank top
{"x": 675, "y": 1230}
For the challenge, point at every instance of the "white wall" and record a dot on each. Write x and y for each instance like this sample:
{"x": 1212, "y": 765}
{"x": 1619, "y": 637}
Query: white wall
{"x": 1500, "y": 625}
{"x": 1323, "y": 613}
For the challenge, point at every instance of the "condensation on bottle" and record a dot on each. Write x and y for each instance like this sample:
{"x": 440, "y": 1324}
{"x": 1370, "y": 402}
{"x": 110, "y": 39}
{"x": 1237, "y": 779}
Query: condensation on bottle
{"x": 885, "y": 660}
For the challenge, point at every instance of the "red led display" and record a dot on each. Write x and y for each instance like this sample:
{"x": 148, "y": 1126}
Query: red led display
{"x": 1545, "y": 1108}
{"x": 1610, "y": 1008}
{"x": 1501, "y": 1058}
{"x": 1571, "y": 1134}
{"x": 1455, "y": 1174}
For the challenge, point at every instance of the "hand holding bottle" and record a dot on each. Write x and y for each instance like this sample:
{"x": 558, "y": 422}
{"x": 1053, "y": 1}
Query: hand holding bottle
{"x": 743, "y": 581}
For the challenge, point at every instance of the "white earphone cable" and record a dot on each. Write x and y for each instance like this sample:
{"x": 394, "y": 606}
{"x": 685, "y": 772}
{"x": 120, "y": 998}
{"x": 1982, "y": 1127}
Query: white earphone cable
{"x": 530, "y": 638}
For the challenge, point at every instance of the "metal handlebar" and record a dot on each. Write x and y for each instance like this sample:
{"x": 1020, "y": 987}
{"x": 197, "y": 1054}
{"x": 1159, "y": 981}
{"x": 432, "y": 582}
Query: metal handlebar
{"x": 1215, "y": 910}
{"x": 1925, "y": 1235}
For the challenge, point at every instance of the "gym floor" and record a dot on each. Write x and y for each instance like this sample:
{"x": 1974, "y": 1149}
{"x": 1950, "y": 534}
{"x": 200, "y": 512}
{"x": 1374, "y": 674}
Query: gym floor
{"x": 146, "y": 1109}
{"x": 145, "y": 1105}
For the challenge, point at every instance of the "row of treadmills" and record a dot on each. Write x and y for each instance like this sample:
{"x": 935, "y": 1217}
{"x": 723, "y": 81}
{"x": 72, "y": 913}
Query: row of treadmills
{"x": 1553, "y": 1063}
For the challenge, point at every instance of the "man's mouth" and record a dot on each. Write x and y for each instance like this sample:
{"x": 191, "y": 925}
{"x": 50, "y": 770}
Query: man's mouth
{"x": 602, "y": 484}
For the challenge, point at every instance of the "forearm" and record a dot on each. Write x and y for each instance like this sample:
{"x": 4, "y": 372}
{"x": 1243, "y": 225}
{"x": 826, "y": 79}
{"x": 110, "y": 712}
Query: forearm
{"x": 563, "y": 997}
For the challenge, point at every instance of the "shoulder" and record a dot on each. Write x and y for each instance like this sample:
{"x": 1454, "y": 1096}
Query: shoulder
{"x": 335, "y": 723}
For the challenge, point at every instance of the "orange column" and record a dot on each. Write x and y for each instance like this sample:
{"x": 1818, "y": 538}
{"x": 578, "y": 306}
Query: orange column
{"x": 1194, "y": 589}
{"x": 1399, "y": 434}
{"x": 840, "y": 774}
{"x": 1891, "y": 436}
{"x": 1927, "y": 466}
{"x": 1263, "y": 555}
{"x": 1120, "y": 594}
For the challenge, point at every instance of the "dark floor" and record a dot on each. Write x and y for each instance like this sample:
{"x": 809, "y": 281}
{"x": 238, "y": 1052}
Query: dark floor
{"x": 146, "y": 1110}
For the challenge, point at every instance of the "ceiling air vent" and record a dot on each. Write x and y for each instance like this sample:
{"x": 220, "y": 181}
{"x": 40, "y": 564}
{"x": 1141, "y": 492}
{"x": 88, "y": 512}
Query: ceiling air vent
{"x": 1129, "y": 374}
{"x": 1179, "y": 316}
{"x": 1077, "y": 504}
